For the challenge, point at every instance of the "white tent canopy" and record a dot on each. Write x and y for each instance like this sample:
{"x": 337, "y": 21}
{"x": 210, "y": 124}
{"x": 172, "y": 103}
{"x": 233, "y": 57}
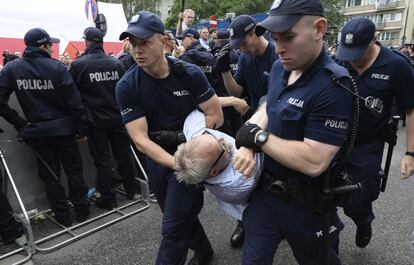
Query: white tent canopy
{"x": 64, "y": 19}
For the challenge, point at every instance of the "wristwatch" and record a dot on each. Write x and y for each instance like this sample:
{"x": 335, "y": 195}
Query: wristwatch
{"x": 261, "y": 138}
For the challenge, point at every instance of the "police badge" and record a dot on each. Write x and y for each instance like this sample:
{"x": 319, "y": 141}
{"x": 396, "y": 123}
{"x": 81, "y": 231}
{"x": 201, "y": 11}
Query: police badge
{"x": 349, "y": 38}
{"x": 276, "y": 4}
{"x": 135, "y": 18}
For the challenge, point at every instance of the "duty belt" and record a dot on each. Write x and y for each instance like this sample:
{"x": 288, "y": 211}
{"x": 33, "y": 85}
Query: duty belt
{"x": 287, "y": 191}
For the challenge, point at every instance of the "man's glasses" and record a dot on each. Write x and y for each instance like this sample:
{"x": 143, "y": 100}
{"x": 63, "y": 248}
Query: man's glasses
{"x": 223, "y": 150}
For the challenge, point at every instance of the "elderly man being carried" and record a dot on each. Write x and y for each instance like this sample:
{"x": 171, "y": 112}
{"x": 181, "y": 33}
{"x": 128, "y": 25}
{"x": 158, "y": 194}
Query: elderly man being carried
{"x": 207, "y": 158}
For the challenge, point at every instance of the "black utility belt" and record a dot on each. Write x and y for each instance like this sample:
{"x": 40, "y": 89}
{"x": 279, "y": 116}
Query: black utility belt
{"x": 289, "y": 190}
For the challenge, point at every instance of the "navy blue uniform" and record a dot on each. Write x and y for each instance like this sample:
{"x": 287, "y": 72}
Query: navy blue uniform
{"x": 127, "y": 60}
{"x": 389, "y": 77}
{"x": 52, "y": 106}
{"x": 200, "y": 56}
{"x": 9, "y": 228}
{"x": 96, "y": 75}
{"x": 313, "y": 108}
{"x": 165, "y": 103}
{"x": 253, "y": 72}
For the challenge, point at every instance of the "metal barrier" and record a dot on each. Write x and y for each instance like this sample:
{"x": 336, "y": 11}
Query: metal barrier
{"x": 30, "y": 247}
{"x": 34, "y": 246}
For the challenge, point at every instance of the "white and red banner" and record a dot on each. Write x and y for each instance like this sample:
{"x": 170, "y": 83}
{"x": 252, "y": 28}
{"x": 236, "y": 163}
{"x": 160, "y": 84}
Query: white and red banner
{"x": 63, "y": 19}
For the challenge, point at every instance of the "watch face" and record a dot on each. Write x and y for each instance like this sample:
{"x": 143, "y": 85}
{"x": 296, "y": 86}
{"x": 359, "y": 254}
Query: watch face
{"x": 262, "y": 137}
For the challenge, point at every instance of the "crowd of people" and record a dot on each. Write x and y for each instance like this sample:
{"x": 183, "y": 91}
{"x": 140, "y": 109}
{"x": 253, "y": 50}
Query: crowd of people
{"x": 258, "y": 122}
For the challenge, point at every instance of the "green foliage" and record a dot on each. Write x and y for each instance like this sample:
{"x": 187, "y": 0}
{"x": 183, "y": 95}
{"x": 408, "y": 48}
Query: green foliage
{"x": 333, "y": 10}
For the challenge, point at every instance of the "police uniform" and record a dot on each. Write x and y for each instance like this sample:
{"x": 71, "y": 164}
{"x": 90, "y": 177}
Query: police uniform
{"x": 312, "y": 107}
{"x": 252, "y": 71}
{"x": 10, "y": 229}
{"x": 96, "y": 75}
{"x": 165, "y": 103}
{"x": 389, "y": 77}
{"x": 127, "y": 60}
{"x": 303, "y": 109}
{"x": 53, "y": 109}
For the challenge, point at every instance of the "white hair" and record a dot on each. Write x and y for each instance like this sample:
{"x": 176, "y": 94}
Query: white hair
{"x": 190, "y": 166}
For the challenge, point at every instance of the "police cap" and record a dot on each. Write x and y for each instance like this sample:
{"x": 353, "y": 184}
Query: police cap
{"x": 355, "y": 38}
{"x": 93, "y": 34}
{"x": 284, "y": 14}
{"x": 239, "y": 28}
{"x": 37, "y": 37}
{"x": 190, "y": 32}
{"x": 223, "y": 34}
{"x": 143, "y": 25}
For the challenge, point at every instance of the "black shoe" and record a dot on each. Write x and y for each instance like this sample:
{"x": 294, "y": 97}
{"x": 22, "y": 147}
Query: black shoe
{"x": 9, "y": 237}
{"x": 204, "y": 259}
{"x": 237, "y": 238}
{"x": 105, "y": 204}
{"x": 363, "y": 235}
{"x": 82, "y": 215}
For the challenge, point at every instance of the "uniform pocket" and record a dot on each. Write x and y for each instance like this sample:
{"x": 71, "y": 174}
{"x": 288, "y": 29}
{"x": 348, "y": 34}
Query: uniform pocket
{"x": 292, "y": 123}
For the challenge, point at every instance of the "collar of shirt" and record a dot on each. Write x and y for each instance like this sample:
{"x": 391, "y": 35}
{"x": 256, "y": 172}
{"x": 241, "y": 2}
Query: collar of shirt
{"x": 95, "y": 48}
{"x": 35, "y": 52}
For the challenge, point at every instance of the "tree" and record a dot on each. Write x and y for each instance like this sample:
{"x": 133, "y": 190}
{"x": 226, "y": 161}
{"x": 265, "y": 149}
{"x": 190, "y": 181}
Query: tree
{"x": 333, "y": 10}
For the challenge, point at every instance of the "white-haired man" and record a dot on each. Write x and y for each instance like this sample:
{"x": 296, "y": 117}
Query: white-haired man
{"x": 206, "y": 159}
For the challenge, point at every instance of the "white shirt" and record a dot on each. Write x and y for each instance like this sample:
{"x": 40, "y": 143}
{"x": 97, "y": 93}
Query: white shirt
{"x": 231, "y": 188}
{"x": 204, "y": 44}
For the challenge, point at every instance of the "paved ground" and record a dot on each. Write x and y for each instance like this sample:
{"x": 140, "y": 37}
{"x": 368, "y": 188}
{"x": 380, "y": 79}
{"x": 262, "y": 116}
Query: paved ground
{"x": 135, "y": 240}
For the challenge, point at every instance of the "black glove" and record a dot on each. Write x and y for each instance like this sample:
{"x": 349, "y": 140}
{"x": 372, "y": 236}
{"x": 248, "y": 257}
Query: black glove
{"x": 168, "y": 140}
{"x": 246, "y": 135}
{"x": 223, "y": 59}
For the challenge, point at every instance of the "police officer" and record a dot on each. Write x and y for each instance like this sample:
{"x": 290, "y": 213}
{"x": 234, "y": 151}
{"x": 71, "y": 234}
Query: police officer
{"x": 196, "y": 54}
{"x": 253, "y": 68}
{"x": 155, "y": 97}
{"x": 254, "y": 64}
{"x": 381, "y": 74}
{"x": 95, "y": 75}
{"x": 56, "y": 120}
{"x": 300, "y": 130}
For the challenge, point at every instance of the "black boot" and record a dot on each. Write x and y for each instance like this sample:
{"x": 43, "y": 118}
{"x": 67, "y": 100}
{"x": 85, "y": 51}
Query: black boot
{"x": 237, "y": 238}
{"x": 202, "y": 259}
{"x": 363, "y": 235}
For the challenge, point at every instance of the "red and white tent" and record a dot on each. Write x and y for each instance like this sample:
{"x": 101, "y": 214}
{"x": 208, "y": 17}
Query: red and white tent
{"x": 63, "y": 19}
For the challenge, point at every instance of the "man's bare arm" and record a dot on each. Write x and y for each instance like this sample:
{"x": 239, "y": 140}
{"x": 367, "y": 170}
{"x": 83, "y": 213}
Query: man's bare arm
{"x": 212, "y": 110}
{"x": 407, "y": 162}
{"x": 138, "y": 131}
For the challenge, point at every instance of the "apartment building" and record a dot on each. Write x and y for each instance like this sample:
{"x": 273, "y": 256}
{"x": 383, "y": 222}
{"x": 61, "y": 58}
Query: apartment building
{"x": 394, "y": 19}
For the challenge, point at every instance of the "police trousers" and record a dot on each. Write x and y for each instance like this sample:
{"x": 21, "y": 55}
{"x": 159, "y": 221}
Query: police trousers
{"x": 268, "y": 220}
{"x": 101, "y": 141}
{"x": 364, "y": 165}
{"x": 180, "y": 204}
{"x": 56, "y": 151}
{"x": 9, "y": 228}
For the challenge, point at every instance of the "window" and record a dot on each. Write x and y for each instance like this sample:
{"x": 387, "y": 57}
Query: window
{"x": 387, "y": 36}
